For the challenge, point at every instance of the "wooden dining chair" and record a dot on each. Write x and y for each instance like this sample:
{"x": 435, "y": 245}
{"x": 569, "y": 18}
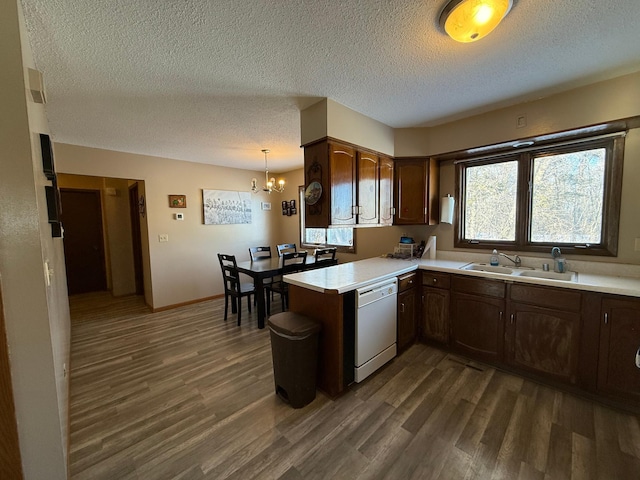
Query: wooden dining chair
{"x": 257, "y": 253}
{"x": 325, "y": 256}
{"x": 291, "y": 262}
{"x": 286, "y": 247}
{"x": 234, "y": 289}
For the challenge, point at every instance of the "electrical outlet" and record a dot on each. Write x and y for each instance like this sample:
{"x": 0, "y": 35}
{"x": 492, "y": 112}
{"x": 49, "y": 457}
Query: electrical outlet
{"x": 163, "y": 237}
{"x": 521, "y": 121}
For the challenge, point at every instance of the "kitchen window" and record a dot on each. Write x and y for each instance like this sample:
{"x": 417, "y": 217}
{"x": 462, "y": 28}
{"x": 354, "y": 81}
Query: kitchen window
{"x": 343, "y": 238}
{"x": 565, "y": 195}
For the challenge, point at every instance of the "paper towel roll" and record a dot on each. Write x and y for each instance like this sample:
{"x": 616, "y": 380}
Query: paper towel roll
{"x": 430, "y": 247}
{"x": 447, "y": 206}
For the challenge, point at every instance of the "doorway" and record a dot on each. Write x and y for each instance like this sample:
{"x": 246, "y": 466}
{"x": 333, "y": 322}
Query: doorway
{"x": 134, "y": 213}
{"x": 83, "y": 240}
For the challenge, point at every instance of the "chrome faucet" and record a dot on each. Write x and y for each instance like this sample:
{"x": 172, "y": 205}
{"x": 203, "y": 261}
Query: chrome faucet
{"x": 516, "y": 260}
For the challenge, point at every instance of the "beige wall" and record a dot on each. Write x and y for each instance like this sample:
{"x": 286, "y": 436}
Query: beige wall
{"x": 36, "y": 314}
{"x": 329, "y": 118}
{"x": 601, "y": 102}
{"x": 185, "y": 268}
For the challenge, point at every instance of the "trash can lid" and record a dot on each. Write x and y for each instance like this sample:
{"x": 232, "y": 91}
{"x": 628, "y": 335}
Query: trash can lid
{"x": 293, "y": 324}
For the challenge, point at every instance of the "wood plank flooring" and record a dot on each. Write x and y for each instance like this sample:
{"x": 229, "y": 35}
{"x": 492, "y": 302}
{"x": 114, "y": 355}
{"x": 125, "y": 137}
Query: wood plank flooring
{"x": 181, "y": 394}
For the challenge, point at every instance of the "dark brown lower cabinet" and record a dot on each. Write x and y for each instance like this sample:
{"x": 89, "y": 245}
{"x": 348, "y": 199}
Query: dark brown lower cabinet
{"x": 543, "y": 341}
{"x": 407, "y": 329}
{"x": 435, "y": 314}
{"x": 434, "y": 320}
{"x": 542, "y": 331}
{"x": 477, "y": 317}
{"x": 618, "y": 364}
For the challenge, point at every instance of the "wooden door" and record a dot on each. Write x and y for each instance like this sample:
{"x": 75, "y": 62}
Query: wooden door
{"x": 618, "y": 369}
{"x": 435, "y": 314}
{"x": 83, "y": 240}
{"x": 342, "y": 173}
{"x": 367, "y": 189}
{"x": 410, "y": 191}
{"x": 543, "y": 341}
{"x": 385, "y": 173}
{"x": 136, "y": 238}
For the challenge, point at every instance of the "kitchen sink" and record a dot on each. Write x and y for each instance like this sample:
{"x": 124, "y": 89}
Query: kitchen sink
{"x": 485, "y": 267}
{"x": 520, "y": 272}
{"x": 566, "y": 276}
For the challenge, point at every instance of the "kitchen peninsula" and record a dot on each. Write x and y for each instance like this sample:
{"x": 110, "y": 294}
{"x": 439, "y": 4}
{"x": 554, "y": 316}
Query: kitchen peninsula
{"x": 327, "y": 296}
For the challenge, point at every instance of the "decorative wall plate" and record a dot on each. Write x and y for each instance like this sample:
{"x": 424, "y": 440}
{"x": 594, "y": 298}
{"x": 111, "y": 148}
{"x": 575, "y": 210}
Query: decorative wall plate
{"x": 313, "y": 193}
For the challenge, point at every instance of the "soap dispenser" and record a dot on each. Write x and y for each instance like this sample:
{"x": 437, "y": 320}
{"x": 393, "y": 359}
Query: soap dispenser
{"x": 494, "y": 258}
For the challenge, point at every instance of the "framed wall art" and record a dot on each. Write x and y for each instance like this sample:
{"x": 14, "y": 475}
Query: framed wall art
{"x": 178, "y": 201}
{"x": 222, "y": 207}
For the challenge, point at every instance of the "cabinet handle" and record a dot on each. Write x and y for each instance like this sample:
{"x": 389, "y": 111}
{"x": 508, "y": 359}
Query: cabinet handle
{"x": 512, "y": 315}
{"x": 638, "y": 358}
{"x": 402, "y": 308}
{"x": 393, "y": 210}
{"x": 423, "y": 299}
{"x": 435, "y": 280}
{"x": 410, "y": 282}
{"x": 425, "y": 210}
{"x": 606, "y": 318}
{"x": 500, "y": 316}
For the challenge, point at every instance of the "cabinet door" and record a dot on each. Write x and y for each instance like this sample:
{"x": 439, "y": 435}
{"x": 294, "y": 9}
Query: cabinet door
{"x": 435, "y": 315}
{"x": 410, "y": 191}
{"x": 342, "y": 180}
{"x": 618, "y": 371}
{"x": 544, "y": 341}
{"x": 406, "y": 318}
{"x": 385, "y": 173}
{"x": 477, "y": 326}
{"x": 367, "y": 188}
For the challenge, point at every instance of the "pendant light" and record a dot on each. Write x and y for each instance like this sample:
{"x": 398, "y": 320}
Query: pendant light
{"x": 269, "y": 183}
{"x": 470, "y": 20}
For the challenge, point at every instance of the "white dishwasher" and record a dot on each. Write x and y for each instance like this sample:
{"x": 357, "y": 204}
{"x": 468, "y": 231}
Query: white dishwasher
{"x": 375, "y": 327}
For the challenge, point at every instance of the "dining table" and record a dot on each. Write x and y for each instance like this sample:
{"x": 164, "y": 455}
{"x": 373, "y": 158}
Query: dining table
{"x": 263, "y": 268}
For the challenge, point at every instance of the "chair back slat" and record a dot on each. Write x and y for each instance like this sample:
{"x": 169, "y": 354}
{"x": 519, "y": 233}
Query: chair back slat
{"x": 257, "y": 253}
{"x": 230, "y": 273}
{"x": 286, "y": 247}
{"x": 325, "y": 254}
{"x": 293, "y": 262}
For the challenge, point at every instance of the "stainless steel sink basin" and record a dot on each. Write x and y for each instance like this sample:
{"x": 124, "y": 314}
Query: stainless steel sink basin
{"x": 485, "y": 267}
{"x": 520, "y": 272}
{"x": 566, "y": 276}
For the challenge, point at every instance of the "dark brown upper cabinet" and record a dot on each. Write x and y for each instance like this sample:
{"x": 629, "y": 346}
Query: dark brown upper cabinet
{"x": 416, "y": 191}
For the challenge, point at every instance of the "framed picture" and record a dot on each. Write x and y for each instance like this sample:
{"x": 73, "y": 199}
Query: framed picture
{"x": 221, "y": 207}
{"x": 178, "y": 201}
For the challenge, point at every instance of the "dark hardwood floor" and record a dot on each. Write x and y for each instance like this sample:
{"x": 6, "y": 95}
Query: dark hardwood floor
{"x": 181, "y": 394}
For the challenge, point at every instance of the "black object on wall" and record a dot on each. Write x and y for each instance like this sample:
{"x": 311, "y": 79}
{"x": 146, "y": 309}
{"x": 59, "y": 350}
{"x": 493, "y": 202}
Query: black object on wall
{"x": 47, "y": 157}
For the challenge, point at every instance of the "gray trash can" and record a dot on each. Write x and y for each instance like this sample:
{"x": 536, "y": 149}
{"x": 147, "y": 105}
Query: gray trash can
{"x": 294, "y": 348}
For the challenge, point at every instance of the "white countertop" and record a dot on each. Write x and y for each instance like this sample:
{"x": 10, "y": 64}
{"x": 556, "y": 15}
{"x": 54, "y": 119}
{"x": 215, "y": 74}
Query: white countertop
{"x": 346, "y": 277}
{"x": 349, "y": 276}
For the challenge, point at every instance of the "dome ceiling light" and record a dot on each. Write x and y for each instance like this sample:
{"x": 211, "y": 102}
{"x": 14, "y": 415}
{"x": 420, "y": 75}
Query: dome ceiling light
{"x": 470, "y": 20}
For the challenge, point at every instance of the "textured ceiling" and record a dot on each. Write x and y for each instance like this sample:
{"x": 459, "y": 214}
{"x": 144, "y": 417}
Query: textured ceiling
{"x": 217, "y": 81}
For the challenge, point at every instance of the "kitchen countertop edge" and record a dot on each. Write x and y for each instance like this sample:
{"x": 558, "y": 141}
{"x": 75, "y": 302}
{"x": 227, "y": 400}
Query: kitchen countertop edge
{"x": 350, "y": 276}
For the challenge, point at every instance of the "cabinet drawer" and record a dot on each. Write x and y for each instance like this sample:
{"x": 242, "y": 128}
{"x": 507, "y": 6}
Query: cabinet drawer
{"x": 479, "y": 286}
{"x": 407, "y": 281}
{"x": 437, "y": 280}
{"x": 556, "y": 298}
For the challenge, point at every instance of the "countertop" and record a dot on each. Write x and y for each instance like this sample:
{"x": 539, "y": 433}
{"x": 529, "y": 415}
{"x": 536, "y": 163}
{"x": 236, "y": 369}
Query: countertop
{"x": 350, "y": 276}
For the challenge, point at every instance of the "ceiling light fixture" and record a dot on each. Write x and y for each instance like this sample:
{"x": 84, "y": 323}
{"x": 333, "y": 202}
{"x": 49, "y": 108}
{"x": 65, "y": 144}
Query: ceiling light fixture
{"x": 269, "y": 183}
{"x": 470, "y": 20}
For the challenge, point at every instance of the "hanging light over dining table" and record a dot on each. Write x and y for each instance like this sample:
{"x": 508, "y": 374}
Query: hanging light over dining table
{"x": 269, "y": 183}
